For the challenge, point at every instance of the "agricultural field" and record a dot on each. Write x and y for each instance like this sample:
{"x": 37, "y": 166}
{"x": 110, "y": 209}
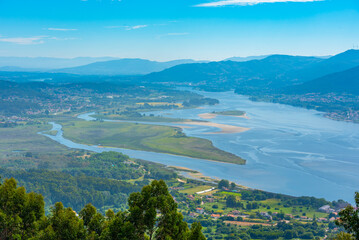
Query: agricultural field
{"x": 235, "y": 214}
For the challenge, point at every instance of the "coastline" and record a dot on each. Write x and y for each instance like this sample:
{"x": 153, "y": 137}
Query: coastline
{"x": 224, "y": 128}
{"x": 214, "y": 115}
{"x": 199, "y": 176}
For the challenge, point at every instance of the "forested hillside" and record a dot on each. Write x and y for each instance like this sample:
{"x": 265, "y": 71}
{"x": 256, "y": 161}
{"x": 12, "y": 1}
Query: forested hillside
{"x": 346, "y": 82}
{"x": 152, "y": 214}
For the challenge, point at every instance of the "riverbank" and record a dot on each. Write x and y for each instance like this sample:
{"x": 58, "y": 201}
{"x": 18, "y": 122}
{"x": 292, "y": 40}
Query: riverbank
{"x": 233, "y": 113}
{"x": 224, "y": 128}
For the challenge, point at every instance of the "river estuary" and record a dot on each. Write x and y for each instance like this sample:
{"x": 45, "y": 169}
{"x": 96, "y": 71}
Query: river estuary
{"x": 288, "y": 150}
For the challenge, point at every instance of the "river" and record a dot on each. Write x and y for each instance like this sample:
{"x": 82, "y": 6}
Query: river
{"x": 288, "y": 150}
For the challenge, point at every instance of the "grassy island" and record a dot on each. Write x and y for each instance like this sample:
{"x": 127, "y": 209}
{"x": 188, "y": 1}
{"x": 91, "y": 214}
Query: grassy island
{"x": 163, "y": 139}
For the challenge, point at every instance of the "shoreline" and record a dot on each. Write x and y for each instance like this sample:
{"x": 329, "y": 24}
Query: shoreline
{"x": 214, "y": 115}
{"x": 224, "y": 128}
{"x": 200, "y": 176}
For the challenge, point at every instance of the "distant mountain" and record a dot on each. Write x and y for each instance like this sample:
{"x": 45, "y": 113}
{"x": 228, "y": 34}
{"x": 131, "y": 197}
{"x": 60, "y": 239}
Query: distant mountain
{"x": 245, "y": 59}
{"x": 46, "y": 63}
{"x": 125, "y": 66}
{"x": 337, "y": 63}
{"x": 268, "y": 72}
{"x": 340, "y": 82}
{"x": 250, "y": 58}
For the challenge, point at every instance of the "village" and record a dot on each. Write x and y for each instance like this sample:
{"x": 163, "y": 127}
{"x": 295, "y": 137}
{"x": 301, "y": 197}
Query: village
{"x": 238, "y": 206}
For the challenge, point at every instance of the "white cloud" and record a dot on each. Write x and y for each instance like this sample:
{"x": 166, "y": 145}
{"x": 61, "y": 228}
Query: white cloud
{"x": 32, "y": 40}
{"x": 62, "y": 29}
{"x": 24, "y": 40}
{"x": 247, "y": 2}
{"x": 128, "y": 28}
{"x": 62, "y": 39}
{"x": 135, "y": 27}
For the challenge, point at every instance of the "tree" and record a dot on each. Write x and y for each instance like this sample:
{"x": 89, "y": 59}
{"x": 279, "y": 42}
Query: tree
{"x": 19, "y": 211}
{"x": 231, "y": 201}
{"x": 64, "y": 224}
{"x": 233, "y": 185}
{"x": 196, "y": 232}
{"x": 154, "y": 212}
{"x": 152, "y": 215}
{"x": 344, "y": 236}
{"x": 349, "y": 218}
{"x": 87, "y": 213}
{"x": 223, "y": 184}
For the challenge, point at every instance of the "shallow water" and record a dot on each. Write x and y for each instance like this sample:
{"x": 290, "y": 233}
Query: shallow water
{"x": 288, "y": 150}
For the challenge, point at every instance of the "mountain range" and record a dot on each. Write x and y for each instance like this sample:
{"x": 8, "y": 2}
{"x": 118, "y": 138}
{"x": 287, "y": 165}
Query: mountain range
{"x": 126, "y": 66}
{"x": 271, "y": 73}
{"x": 341, "y": 82}
{"x": 45, "y": 63}
{"x": 274, "y": 73}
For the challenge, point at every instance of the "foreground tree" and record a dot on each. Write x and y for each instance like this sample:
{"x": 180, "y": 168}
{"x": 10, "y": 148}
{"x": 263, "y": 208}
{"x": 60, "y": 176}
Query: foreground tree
{"x": 349, "y": 218}
{"x": 63, "y": 224}
{"x": 153, "y": 212}
{"x": 19, "y": 211}
{"x": 152, "y": 215}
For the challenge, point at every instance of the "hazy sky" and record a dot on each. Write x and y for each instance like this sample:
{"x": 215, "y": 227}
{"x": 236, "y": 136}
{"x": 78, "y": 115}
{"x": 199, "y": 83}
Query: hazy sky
{"x": 173, "y": 29}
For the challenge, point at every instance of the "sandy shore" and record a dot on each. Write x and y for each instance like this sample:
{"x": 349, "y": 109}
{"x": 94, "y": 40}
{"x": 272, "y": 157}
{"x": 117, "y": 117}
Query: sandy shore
{"x": 207, "y": 115}
{"x": 214, "y": 115}
{"x": 243, "y": 116}
{"x": 199, "y": 176}
{"x": 224, "y": 128}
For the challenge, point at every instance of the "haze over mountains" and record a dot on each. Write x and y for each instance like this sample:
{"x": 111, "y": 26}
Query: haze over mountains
{"x": 271, "y": 70}
{"x": 127, "y": 66}
{"x": 272, "y": 73}
{"x": 45, "y": 63}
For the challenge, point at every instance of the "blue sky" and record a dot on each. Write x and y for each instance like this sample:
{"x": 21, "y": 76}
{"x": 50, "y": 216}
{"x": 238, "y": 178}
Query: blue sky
{"x": 173, "y": 29}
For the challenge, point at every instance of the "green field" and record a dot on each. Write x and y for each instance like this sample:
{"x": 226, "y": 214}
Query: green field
{"x": 22, "y": 147}
{"x": 195, "y": 189}
{"x": 139, "y": 118}
{"x": 26, "y": 139}
{"x": 145, "y": 137}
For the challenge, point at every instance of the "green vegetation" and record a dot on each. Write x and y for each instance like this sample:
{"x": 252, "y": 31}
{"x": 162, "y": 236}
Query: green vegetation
{"x": 242, "y": 213}
{"x": 196, "y": 189}
{"x": 107, "y": 180}
{"x": 349, "y": 219}
{"x": 145, "y": 137}
{"x": 24, "y": 148}
{"x": 152, "y": 214}
{"x": 104, "y": 179}
{"x": 134, "y": 116}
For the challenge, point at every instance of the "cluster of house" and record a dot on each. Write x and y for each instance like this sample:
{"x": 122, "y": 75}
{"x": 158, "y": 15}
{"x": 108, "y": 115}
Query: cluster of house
{"x": 327, "y": 209}
{"x": 234, "y": 214}
{"x": 207, "y": 198}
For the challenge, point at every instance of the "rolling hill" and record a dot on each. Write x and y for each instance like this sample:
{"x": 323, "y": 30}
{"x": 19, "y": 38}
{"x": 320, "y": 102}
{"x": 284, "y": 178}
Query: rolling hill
{"x": 337, "y": 63}
{"x": 268, "y": 72}
{"x": 340, "y": 82}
